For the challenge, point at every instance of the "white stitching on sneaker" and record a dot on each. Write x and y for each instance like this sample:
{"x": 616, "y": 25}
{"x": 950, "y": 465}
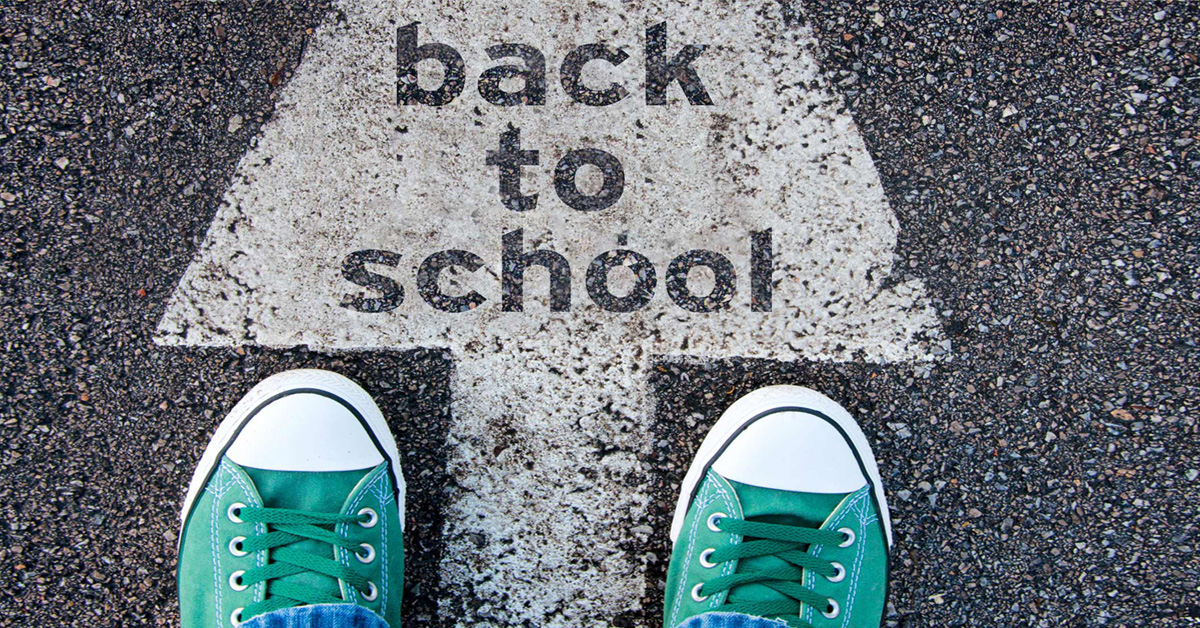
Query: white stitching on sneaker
{"x": 859, "y": 555}
{"x": 851, "y": 505}
{"x": 369, "y": 488}
{"x": 217, "y": 489}
{"x": 691, "y": 540}
{"x": 342, "y": 555}
{"x": 341, "y": 528}
{"x": 727, "y": 568}
{"x": 377, "y": 486}
{"x": 260, "y": 589}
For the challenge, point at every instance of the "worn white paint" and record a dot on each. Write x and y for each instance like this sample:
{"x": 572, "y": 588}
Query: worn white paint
{"x": 330, "y": 174}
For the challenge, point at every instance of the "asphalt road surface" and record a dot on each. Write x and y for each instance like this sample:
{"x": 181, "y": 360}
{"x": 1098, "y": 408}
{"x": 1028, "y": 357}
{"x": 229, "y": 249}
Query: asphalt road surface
{"x": 1040, "y": 159}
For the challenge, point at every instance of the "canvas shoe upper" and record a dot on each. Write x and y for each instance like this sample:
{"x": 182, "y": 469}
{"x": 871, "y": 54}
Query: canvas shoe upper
{"x": 298, "y": 499}
{"x": 781, "y": 515}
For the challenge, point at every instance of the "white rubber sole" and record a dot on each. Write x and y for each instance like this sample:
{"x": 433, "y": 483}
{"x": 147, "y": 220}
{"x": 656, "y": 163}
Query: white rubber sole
{"x": 273, "y": 386}
{"x": 754, "y": 405}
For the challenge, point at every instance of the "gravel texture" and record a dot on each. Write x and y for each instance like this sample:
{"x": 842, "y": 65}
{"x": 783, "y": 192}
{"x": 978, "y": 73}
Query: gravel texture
{"x": 1040, "y": 158}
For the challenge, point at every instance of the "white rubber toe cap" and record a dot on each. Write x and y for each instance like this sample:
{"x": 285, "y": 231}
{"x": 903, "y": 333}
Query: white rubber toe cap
{"x": 787, "y": 438}
{"x": 301, "y": 420}
{"x": 305, "y": 431}
{"x": 792, "y": 451}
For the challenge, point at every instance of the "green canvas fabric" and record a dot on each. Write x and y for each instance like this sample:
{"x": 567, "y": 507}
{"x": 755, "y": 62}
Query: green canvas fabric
{"x": 376, "y": 491}
{"x": 207, "y": 600}
{"x": 296, "y": 490}
{"x": 861, "y": 594}
{"x": 715, "y": 495}
{"x": 205, "y": 563}
{"x": 784, "y": 507}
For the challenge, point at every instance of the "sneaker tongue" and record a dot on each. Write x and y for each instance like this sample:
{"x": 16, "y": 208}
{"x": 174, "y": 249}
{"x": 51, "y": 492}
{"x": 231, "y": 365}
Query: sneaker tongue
{"x": 317, "y": 491}
{"x": 766, "y": 505}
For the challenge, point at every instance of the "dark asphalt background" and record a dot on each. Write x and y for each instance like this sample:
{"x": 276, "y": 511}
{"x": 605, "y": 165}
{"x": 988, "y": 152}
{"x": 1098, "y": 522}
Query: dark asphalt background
{"x": 1040, "y": 158}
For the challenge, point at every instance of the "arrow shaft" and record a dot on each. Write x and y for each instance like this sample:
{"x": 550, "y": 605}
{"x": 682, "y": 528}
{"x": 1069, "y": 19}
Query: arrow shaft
{"x": 545, "y": 458}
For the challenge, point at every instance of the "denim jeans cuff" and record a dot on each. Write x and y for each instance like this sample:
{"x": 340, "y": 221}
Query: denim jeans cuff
{"x": 730, "y": 620}
{"x": 318, "y": 616}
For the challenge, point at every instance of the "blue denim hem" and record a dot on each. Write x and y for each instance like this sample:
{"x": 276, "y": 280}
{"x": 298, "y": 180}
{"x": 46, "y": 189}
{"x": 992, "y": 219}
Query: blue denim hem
{"x": 318, "y": 616}
{"x": 351, "y": 616}
{"x": 730, "y": 620}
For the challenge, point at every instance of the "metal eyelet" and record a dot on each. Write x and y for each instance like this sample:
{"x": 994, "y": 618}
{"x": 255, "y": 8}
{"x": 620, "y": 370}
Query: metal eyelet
{"x": 233, "y": 516}
{"x": 370, "y": 555}
{"x": 696, "y": 593}
{"x": 840, "y": 575}
{"x": 372, "y": 592}
{"x": 715, "y": 519}
{"x": 849, "y": 534}
{"x": 235, "y": 617}
{"x": 235, "y": 580}
{"x": 235, "y": 546}
{"x": 704, "y": 562}
{"x": 833, "y": 609}
{"x": 373, "y": 517}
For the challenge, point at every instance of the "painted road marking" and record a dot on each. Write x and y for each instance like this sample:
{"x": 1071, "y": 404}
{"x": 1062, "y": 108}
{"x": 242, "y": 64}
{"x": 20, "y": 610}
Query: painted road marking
{"x": 556, "y": 192}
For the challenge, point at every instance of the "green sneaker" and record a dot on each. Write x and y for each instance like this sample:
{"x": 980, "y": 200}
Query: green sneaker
{"x": 782, "y": 516}
{"x": 297, "y": 500}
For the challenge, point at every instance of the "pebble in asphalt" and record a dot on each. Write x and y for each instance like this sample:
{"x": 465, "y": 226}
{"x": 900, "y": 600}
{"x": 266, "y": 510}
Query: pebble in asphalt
{"x": 1039, "y": 157}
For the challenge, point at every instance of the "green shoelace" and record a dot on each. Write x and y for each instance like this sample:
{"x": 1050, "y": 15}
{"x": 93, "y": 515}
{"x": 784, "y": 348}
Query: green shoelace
{"x": 285, "y": 527}
{"x": 783, "y": 542}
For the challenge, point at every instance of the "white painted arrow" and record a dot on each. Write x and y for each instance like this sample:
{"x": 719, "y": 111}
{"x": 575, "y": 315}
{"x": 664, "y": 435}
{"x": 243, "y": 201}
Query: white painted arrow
{"x": 550, "y": 406}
